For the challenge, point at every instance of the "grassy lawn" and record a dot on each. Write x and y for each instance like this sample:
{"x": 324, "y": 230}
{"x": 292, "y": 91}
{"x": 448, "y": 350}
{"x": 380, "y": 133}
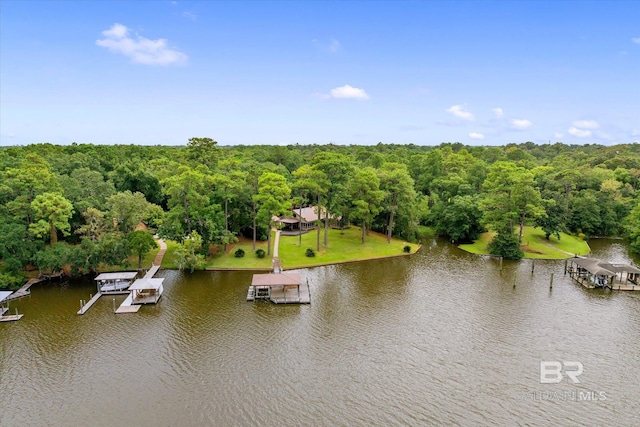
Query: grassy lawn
{"x": 343, "y": 247}
{"x": 249, "y": 260}
{"x": 535, "y": 245}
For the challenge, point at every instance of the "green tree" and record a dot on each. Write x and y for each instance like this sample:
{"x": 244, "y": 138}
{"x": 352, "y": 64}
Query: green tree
{"x": 203, "y": 150}
{"x": 338, "y": 168}
{"x": 187, "y": 253}
{"x": 140, "y": 243}
{"x": 366, "y": 197}
{"x": 313, "y": 183}
{"x": 274, "y": 198}
{"x": 459, "y": 219}
{"x": 510, "y": 197}
{"x": 52, "y": 213}
{"x": 189, "y": 200}
{"x": 400, "y": 194}
{"x": 127, "y": 209}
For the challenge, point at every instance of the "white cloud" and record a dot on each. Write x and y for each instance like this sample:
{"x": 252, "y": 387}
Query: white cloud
{"x": 558, "y": 135}
{"x": 332, "y": 46}
{"x": 189, "y": 15}
{"x": 476, "y": 135}
{"x": 636, "y": 40}
{"x": 348, "y": 92}
{"x": 498, "y": 112}
{"x": 461, "y": 112}
{"x": 585, "y": 124}
{"x": 580, "y": 133}
{"x": 140, "y": 49}
{"x": 521, "y": 124}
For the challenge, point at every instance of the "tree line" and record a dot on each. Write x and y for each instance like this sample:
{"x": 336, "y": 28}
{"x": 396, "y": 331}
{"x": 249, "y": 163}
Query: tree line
{"x": 79, "y": 204}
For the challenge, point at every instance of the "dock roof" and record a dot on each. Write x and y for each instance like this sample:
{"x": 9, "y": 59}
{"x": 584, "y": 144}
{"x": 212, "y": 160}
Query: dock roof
{"x": 593, "y": 266}
{"x": 146, "y": 283}
{"x": 4, "y": 295}
{"x": 118, "y": 275}
{"x": 271, "y": 279}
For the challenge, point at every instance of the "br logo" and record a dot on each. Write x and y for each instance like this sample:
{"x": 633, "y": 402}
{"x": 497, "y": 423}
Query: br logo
{"x": 552, "y": 372}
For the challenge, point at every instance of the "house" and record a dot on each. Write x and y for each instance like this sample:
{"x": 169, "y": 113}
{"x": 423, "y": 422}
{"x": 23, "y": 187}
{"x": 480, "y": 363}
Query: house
{"x": 303, "y": 219}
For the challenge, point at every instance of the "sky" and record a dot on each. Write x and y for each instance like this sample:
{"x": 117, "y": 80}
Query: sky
{"x": 319, "y": 72}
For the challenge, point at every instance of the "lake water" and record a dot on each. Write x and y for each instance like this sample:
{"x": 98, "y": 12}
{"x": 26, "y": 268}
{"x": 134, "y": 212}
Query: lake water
{"x": 438, "y": 338}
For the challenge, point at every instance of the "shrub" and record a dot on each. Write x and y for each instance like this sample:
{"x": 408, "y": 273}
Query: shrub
{"x": 239, "y": 253}
{"x": 260, "y": 253}
{"x": 310, "y": 253}
{"x": 407, "y": 249}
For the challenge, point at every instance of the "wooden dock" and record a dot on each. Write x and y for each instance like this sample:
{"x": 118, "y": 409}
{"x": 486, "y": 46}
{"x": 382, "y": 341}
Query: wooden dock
{"x": 127, "y": 306}
{"x": 24, "y": 290}
{"x": 3, "y": 310}
{"x": 89, "y": 303}
{"x": 11, "y": 318}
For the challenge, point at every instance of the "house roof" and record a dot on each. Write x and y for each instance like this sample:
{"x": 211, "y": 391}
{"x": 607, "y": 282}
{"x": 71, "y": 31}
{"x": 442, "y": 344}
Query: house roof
{"x": 4, "y": 295}
{"x": 309, "y": 214}
{"x": 118, "y": 275}
{"x": 146, "y": 283}
{"x": 271, "y": 279}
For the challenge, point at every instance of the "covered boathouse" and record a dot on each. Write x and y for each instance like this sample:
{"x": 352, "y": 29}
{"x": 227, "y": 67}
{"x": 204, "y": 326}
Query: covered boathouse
{"x": 281, "y": 288}
{"x": 115, "y": 283}
{"x": 594, "y": 273}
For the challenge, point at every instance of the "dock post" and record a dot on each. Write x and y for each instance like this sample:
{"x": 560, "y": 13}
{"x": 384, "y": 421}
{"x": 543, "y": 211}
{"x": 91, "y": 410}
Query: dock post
{"x": 500, "y": 263}
{"x": 80, "y": 304}
{"x": 515, "y": 276}
{"x": 565, "y": 266}
{"x": 533, "y": 264}
{"x": 551, "y": 282}
{"x": 114, "y": 305}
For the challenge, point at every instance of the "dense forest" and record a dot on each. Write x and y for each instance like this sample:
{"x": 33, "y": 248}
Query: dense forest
{"x": 79, "y": 205}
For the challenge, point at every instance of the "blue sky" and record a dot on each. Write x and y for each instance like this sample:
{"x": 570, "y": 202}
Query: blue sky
{"x": 258, "y": 72}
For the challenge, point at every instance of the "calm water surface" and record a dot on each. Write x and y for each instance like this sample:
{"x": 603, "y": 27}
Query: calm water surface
{"x": 438, "y": 338}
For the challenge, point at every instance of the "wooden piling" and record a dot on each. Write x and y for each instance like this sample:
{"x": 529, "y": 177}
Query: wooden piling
{"x": 551, "y": 282}
{"x": 565, "y": 266}
{"x": 533, "y": 264}
{"x": 500, "y": 263}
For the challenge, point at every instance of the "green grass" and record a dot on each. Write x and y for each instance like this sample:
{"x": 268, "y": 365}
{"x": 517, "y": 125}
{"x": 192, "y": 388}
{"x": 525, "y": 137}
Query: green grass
{"x": 535, "y": 245}
{"x": 169, "y": 259}
{"x": 343, "y": 247}
{"x": 249, "y": 260}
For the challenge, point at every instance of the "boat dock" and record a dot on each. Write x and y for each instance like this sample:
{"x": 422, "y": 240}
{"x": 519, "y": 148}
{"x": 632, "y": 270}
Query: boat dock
{"x": 279, "y": 288}
{"x": 593, "y": 273}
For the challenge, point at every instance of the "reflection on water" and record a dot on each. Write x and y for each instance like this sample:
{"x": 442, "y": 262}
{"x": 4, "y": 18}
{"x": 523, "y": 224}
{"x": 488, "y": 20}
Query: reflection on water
{"x": 441, "y": 337}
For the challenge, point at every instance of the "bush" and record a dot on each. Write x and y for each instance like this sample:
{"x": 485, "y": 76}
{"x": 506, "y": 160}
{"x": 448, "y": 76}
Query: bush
{"x": 239, "y": 253}
{"x": 407, "y": 249}
{"x": 260, "y": 253}
{"x": 310, "y": 253}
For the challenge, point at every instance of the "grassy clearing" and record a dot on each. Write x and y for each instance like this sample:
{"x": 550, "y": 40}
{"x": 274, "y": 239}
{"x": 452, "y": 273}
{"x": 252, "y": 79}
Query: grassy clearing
{"x": 535, "y": 245}
{"x": 343, "y": 247}
{"x": 249, "y": 260}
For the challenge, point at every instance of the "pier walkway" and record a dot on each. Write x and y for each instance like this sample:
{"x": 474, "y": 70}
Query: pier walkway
{"x": 24, "y": 290}
{"x": 89, "y": 303}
